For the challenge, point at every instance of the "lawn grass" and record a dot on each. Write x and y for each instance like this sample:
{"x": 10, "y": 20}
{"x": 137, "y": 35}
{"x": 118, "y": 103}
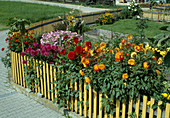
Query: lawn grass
{"x": 33, "y": 12}
{"x": 97, "y": 5}
{"x": 128, "y": 26}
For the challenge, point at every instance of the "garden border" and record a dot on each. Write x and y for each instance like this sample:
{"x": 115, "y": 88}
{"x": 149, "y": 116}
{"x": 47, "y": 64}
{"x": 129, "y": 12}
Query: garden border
{"x": 47, "y": 76}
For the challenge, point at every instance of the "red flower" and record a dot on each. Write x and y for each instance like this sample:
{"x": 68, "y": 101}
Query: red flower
{"x": 2, "y": 49}
{"x": 71, "y": 55}
{"x": 16, "y": 40}
{"x": 9, "y": 46}
{"x": 50, "y": 63}
{"x": 26, "y": 36}
{"x": 18, "y": 33}
{"x": 10, "y": 38}
{"x": 30, "y": 36}
{"x": 9, "y": 41}
{"x": 65, "y": 37}
{"x": 88, "y": 44}
{"x": 63, "y": 52}
{"x": 6, "y": 39}
{"x": 79, "y": 50}
{"x": 75, "y": 40}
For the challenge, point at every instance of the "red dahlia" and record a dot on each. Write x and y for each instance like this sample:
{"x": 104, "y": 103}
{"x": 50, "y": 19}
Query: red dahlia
{"x": 88, "y": 44}
{"x": 71, "y": 55}
{"x": 63, "y": 52}
{"x": 79, "y": 49}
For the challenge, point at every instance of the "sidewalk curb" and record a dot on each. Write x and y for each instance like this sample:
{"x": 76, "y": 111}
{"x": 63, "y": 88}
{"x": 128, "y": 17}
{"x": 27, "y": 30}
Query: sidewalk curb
{"x": 43, "y": 101}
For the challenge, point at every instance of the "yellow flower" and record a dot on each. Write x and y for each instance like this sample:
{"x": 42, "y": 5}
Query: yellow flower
{"x": 163, "y": 53}
{"x": 91, "y": 52}
{"x": 160, "y": 61}
{"x": 81, "y": 73}
{"x": 124, "y": 83}
{"x": 149, "y": 102}
{"x": 87, "y": 79}
{"x": 131, "y": 62}
{"x": 125, "y": 76}
{"x": 165, "y": 95}
{"x": 168, "y": 98}
{"x": 133, "y": 54}
{"x": 129, "y": 36}
{"x": 145, "y": 65}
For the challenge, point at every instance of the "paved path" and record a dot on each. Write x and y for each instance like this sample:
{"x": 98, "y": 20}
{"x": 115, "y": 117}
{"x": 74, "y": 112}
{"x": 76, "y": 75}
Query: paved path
{"x": 82, "y": 8}
{"x": 17, "y": 105}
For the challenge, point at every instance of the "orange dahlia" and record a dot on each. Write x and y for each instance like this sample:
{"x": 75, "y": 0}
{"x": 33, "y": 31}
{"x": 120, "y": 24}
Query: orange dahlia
{"x": 101, "y": 66}
{"x": 137, "y": 48}
{"x": 96, "y": 67}
{"x": 158, "y": 72}
{"x": 129, "y": 36}
{"x": 119, "y": 56}
{"x": 154, "y": 58}
{"x": 111, "y": 52}
{"x": 131, "y": 62}
{"x": 123, "y": 41}
{"x": 87, "y": 61}
{"x": 102, "y": 45}
{"x": 145, "y": 65}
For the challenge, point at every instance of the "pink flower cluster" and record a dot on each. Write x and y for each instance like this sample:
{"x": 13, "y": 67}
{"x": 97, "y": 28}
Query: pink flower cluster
{"x": 54, "y": 37}
{"x": 45, "y": 50}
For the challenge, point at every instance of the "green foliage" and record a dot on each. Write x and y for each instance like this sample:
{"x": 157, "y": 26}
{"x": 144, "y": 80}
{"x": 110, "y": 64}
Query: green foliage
{"x": 7, "y": 60}
{"x": 141, "y": 25}
{"x": 17, "y": 24}
{"x": 31, "y": 73}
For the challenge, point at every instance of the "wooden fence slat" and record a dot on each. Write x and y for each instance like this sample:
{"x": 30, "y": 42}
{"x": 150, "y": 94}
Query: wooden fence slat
{"x": 167, "y": 111}
{"x": 48, "y": 81}
{"x": 38, "y": 75}
{"x": 144, "y": 109}
{"x": 33, "y": 81}
{"x": 90, "y": 101}
{"x": 41, "y": 78}
{"x": 28, "y": 65}
{"x": 95, "y": 104}
{"x": 20, "y": 72}
{"x": 17, "y": 70}
{"x": 130, "y": 106}
{"x": 25, "y": 58}
{"x": 44, "y": 77}
{"x": 105, "y": 113}
{"x": 159, "y": 111}
{"x": 72, "y": 102}
{"x": 80, "y": 97}
{"x": 137, "y": 107}
{"x": 85, "y": 99}
{"x": 52, "y": 85}
{"x": 55, "y": 79}
{"x": 124, "y": 109}
{"x": 76, "y": 110}
{"x": 151, "y": 111}
{"x": 117, "y": 108}
{"x": 12, "y": 66}
{"x": 100, "y": 104}
{"x": 23, "y": 75}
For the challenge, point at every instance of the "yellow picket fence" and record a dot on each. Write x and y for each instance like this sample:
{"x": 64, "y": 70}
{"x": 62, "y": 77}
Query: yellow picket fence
{"x": 47, "y": 75}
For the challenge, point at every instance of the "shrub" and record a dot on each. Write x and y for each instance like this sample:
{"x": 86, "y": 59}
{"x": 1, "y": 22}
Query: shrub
{"x": 132, "y": 11}
{"x": 106, "y": 18}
